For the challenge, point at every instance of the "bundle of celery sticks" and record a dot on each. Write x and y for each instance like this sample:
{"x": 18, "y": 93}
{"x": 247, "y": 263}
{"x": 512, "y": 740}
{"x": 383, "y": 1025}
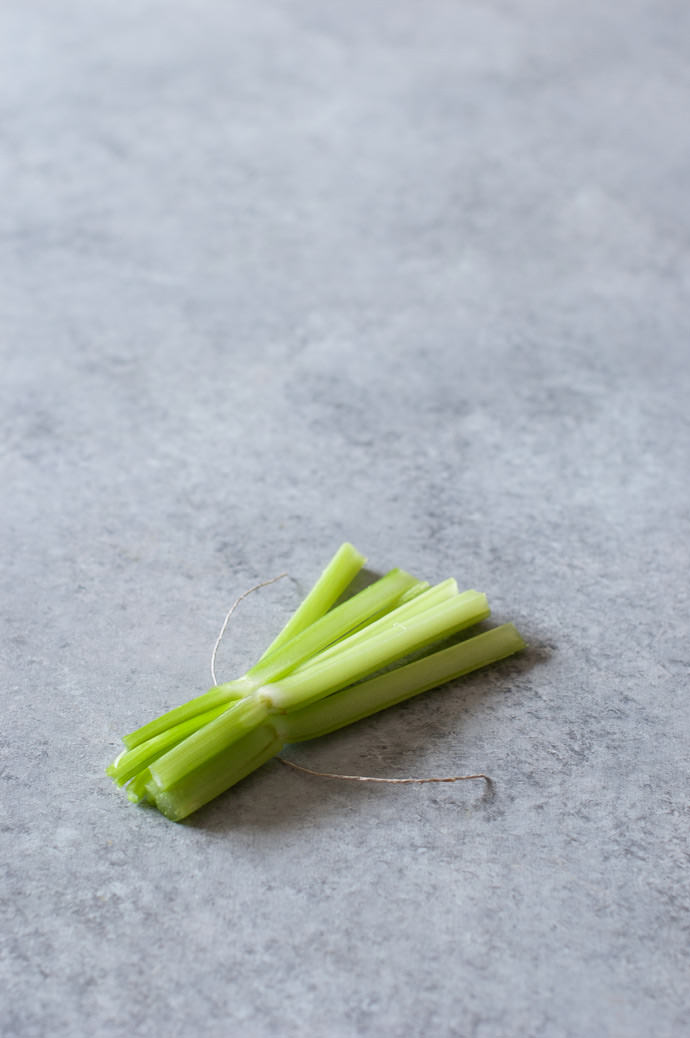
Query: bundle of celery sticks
{"x": 314, "y": 678}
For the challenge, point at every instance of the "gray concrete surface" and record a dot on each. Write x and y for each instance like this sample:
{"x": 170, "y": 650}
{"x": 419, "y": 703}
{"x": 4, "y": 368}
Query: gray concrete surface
{"x": 281, "y": 274}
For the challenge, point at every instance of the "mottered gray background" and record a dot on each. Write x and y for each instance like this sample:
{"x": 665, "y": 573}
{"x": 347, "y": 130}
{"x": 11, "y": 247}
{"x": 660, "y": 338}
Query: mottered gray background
{"x": 275, "y": 275}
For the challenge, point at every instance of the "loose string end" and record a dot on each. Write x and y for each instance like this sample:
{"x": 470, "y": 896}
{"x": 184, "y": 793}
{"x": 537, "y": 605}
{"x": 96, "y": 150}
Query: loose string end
{"x": 387, "y": 781}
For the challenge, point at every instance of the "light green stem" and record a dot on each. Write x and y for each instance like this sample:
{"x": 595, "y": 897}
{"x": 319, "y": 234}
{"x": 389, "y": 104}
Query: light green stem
{"x": 131, "y": 761}
{"x": 219, "y": 695}
{"x": 362, "y": 700}
{"x": 136, "y": 790}
{"x": 371, "y": 602}
{"x": 239, "y": 719}
{"x": 337, "y": 576}
{"x": 351, "y": 664}
{"x": 401, "y": 615}
{"x": 196, "y": 788}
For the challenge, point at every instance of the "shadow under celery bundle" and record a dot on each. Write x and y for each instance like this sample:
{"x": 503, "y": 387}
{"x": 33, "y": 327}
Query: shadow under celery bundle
{"x": 310, "y": 681}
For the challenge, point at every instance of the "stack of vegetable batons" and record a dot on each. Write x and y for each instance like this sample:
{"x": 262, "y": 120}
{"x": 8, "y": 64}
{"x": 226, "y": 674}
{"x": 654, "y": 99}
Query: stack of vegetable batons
{"x": 309, "y": 682}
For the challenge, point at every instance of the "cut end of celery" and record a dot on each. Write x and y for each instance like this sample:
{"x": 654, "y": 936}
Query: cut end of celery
{"x": 212, "y": 778}
{"x": 136, "y": 790}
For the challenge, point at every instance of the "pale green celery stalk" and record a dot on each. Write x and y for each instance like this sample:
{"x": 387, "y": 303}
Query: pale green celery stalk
{"x": 131, "y": 761}
{"x": 206, "y": 782}
{"x": 136, "y": 790}
{"x": 379, "y": 597}
{"x": 219, "y": 695}
{"x": 239, "y": 719}
{"x": 417, "y": 589}
{"x": 402, "y": 614}
{"x": 218, "y": 773}
{"x": 368, "y": 697}
{"x": 351, "y": 664}
{"x": 337, "y": 576}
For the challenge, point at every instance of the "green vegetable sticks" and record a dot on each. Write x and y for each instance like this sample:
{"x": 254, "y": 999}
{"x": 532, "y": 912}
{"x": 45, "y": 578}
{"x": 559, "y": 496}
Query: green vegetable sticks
{"x": 332, "y": 664}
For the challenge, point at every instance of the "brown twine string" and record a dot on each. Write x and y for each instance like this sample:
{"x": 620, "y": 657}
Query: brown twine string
{"x": 329, "y": 774}
{"x": 368, "y": 778}
{"x": 229, "y": 613}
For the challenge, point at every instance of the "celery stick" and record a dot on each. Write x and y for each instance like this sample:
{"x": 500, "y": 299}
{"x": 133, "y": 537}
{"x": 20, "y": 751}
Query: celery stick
{"x": 402, "y": 614}
{"x": 217, "y": 696}
{"x": 337, "y": 576}
{"x": 217, "y": 735}
{"x": 131, "y": 761}
{"x": 373, "y": 600}
{"x": 136, "y": 790}
{"x": 368, "y": 697}
{"x": 416, "y": 589}
{"x": 350, "y": 664}
{"x": 195, "y": 788}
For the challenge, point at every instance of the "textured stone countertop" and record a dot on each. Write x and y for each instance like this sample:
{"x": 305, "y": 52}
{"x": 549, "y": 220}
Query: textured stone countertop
{"x": 277, "y": 275}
